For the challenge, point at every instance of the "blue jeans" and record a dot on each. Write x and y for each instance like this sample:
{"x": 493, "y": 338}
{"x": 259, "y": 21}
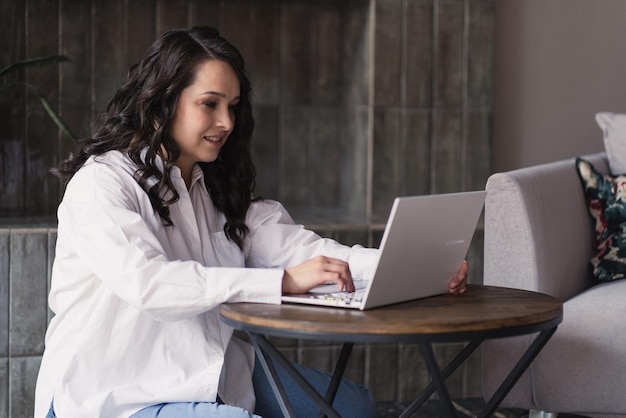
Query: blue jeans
{"x": 352, "y": 401}
{"x": 185, "y": 410}
{"x": 193, "y": 410}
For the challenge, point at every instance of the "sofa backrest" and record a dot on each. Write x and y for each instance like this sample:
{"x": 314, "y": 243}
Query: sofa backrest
{"x": 538, "y": 232}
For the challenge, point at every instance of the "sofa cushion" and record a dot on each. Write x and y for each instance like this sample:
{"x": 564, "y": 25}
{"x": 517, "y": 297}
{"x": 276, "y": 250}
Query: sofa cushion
{"x": 582, "y": 369}
{"x": 606, "y": 202}
{"x": 613, "y": 126}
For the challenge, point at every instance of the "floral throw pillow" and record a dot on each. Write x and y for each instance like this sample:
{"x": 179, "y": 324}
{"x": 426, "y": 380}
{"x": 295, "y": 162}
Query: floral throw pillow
{"x": 606, "y": 201}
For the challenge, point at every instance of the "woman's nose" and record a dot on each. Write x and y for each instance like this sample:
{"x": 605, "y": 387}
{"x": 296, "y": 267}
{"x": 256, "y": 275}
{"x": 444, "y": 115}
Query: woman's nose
{"x": 225, "y": 119}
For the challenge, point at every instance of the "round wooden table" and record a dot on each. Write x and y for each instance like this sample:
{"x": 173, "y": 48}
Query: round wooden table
{"x": 483, "y": 312}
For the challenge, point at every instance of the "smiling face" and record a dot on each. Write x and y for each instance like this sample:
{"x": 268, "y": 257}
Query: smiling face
{"x": 205, "y": 115}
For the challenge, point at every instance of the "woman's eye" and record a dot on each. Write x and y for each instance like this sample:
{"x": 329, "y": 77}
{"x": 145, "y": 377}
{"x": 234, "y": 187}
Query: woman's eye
{"x": 210, "y": 104}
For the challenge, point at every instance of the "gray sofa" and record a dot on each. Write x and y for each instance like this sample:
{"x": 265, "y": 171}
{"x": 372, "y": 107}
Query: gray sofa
{"x": 538, "y": 236}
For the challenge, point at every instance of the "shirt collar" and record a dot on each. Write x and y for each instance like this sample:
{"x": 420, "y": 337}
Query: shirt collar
{"x": 196, "y": 174}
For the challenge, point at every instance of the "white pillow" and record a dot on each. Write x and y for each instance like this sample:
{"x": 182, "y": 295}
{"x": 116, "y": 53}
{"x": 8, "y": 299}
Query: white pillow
{"x": 613, "y": 127}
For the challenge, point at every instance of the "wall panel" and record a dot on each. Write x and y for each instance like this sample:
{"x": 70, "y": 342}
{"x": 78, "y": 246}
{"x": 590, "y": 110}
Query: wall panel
{"x": 326, "y": 34}
{"x": 356, "y": 48}
{"x": 449, "y": 52}
{"x": 446, "y": 151}
{"x": 204, "y": 12}
{"x": 416, "y": 131}
{"x": 354, "y": 164}
{"x": 296, "y": 55}
{"x": 234, "y": 16}
{"x": 170, "y": 14}
{"x": 41, "y": 134}
{"x": 76, "y": 75}
{"x": 12, "y": 108}
{"x": 325, "y": 156}
{"x": 141, "y": 28}
{"x": 4, "y": 387}
{"x": 385, "y": 182}
{"x": 4, "y": 293}
{"x": 108, "y": 57}
{"x": 265, "y": 54}
{"x": 418, "y": 51}
{"x": 22, "y": 377}
{"x": 477, "y": 150}
{"x": 266, "y": 150}
{"x": 295, "y": 168}
{"x": 388, "y": 50}
{"x": 28, "y": 314}
{"x": 479, "y": 52}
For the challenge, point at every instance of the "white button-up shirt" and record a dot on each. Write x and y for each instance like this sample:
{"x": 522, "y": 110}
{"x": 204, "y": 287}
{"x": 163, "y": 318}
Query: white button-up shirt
{"x": 136, "y": 303}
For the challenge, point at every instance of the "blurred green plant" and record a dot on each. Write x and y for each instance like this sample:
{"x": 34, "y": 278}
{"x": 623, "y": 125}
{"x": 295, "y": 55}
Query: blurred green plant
{"x": 37, "y": 62}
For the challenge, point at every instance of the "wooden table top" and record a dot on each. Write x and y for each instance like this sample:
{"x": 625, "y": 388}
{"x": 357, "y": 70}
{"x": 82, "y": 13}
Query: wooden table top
{"x": 483, "y": 310}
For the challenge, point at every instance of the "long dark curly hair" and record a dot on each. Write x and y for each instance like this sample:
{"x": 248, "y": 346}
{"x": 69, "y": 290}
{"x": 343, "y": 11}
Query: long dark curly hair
{"x": 138, "y": 118}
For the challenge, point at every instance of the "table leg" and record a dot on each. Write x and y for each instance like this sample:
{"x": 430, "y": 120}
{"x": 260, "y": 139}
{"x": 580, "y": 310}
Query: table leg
{"x": 275, "y": 383}
{"x": 267, "y": 354}
{"x": 517, "y": 371}
{"x": 438, "y": 380}
{"x": 340, "y": 368}
{"x": 447, "y": 371}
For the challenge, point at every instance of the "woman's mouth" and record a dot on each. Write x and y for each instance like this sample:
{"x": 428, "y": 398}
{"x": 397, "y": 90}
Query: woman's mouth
{"x": 213, "y": 138}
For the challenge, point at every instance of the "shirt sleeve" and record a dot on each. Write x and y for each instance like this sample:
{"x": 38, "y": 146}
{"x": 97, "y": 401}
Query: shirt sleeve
{"x": 275, "y": 241}
{"x": 101, "y": 219}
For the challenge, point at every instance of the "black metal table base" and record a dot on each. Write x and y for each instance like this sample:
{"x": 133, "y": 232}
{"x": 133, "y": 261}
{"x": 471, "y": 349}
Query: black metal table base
{"x": 268, "y": 355}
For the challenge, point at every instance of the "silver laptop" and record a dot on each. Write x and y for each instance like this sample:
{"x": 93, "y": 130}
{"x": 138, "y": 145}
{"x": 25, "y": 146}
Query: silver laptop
{"x": 425, "y": 241}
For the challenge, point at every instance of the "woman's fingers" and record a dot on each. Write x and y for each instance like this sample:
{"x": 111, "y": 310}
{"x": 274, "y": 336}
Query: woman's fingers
{"x": 338, "y": 271}
{"x": 318, "y": 270}
{"x": 458, "y": 284}
{"x": 332, "y": 270}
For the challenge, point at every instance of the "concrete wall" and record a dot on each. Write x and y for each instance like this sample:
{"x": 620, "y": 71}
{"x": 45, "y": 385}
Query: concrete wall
{"x": 557, "y": 63}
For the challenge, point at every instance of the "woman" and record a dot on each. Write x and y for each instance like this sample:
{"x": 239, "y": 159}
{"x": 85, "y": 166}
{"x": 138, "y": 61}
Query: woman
{"x": 156, "y": 229}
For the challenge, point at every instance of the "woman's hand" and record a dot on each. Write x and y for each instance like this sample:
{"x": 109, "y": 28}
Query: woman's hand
{"x": 457, "y": 285}
{"x": 316, "y": 271}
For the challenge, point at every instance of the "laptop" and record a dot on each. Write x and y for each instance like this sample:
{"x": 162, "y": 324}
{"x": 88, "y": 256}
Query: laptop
{"x": 425, "y": 241}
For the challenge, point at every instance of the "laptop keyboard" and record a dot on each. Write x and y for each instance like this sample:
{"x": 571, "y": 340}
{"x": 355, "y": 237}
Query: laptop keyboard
{"x": 344, "y": 298}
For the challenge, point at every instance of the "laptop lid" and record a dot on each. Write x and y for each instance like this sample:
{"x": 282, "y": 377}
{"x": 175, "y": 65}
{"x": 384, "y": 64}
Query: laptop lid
{"x": 425, "y": 241}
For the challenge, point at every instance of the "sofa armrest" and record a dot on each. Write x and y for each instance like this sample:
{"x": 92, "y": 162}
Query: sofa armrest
{"x": 538, "y": 232}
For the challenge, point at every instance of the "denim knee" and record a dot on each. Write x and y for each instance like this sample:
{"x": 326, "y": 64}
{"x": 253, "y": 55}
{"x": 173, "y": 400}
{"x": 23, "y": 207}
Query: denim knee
{"x": 352, "y": 400}
{"x": 192, "y": 410}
